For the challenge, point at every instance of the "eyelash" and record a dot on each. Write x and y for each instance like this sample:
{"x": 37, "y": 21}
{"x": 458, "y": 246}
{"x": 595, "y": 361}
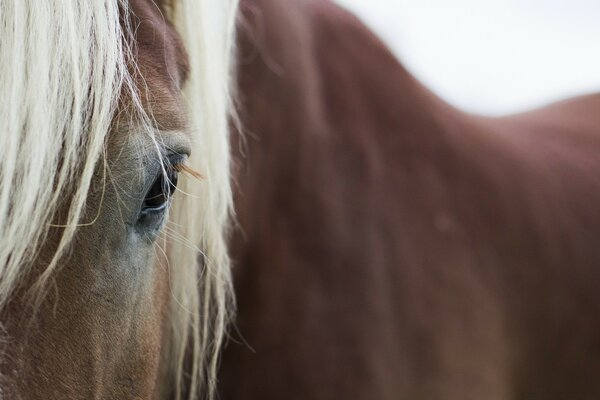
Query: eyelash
{"x": 182, "y": 167}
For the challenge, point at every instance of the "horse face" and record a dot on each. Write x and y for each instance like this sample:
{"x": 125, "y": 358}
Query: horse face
{"x": 99, "y": 331}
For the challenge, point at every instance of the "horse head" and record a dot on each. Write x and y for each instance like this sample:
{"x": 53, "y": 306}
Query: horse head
{"x": 114, "y": 197}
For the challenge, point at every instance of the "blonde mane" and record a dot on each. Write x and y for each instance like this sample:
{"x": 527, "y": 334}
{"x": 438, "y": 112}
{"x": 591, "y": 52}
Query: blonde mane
{"x": 63, "y": 68}
{"x": 207, "y": 28}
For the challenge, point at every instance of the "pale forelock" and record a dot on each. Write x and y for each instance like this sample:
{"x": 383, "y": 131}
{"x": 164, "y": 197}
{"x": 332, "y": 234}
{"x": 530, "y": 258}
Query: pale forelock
{"x": 61, "y": 71}
{"x": 63, "y": 66}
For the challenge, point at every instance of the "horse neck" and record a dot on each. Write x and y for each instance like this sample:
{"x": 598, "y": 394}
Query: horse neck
{"x": 314, "y": 80}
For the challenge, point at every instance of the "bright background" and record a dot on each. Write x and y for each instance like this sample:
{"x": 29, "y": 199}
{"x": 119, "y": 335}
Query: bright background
{"x": 493, "y": 56}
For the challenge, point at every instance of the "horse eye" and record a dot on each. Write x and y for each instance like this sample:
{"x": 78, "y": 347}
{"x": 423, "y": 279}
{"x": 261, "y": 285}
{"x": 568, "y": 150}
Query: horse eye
{"x": 161, "y": 191}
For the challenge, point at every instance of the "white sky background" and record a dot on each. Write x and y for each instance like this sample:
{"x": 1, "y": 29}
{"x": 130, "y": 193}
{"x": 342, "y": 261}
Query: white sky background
{"x": 493, "y": 56}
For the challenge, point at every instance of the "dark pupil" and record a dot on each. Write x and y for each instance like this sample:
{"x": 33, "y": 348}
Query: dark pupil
{"x": 161, "y": 190}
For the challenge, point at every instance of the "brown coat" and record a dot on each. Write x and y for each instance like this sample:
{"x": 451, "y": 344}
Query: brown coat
{"x": 393, "y": 247}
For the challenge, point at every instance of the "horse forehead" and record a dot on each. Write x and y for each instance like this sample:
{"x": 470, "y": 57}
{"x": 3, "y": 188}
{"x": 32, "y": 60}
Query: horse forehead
{"x": 163, "y": 63}
{"x": 157, "y": 40}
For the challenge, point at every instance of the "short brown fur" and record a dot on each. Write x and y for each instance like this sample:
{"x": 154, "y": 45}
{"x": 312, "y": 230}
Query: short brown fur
{"x": 392, "y": 247}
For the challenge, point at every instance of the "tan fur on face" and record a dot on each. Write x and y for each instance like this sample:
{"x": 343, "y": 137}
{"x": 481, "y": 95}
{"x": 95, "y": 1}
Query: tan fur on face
{"x": 111, "y": 324}
{"x": 100, "y": 333}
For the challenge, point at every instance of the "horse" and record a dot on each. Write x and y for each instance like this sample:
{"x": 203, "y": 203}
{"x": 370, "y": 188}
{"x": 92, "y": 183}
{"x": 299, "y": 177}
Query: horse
{"x": 391, "y": 246}
{"x": 111, "y": 112}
